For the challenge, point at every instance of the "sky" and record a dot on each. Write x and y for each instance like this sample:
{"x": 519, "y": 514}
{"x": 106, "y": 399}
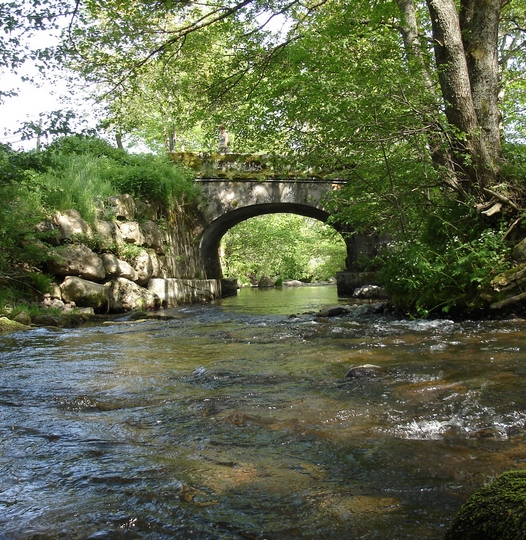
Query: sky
{"x": 30, "y": 102}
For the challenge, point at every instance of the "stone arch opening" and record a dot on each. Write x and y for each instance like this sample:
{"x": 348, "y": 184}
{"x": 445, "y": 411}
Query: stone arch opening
{"x": 214, "y": 232}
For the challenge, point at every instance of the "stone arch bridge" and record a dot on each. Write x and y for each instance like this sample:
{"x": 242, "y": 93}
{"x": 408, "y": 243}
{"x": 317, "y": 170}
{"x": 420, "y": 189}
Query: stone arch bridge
{"x": 237, "y": 187}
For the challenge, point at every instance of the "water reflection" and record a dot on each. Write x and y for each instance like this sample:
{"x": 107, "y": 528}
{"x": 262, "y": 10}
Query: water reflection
{"x": 227, "y": 422}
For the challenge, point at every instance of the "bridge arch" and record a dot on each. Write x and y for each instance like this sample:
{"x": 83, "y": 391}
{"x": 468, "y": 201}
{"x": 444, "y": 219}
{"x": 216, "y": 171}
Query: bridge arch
{"x": 214, "y": 232}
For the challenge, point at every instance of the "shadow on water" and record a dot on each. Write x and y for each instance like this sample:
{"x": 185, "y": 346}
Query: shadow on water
{"x": 235, "y": 421}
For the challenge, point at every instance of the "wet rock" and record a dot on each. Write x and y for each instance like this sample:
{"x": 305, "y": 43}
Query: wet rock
{"x": 363, "y": 371}
{"x": 494, "y": 512}
{"x": 22, "y": 318}
{"x": 292, "y": 283}
{"x": 485, "y": 433}
{"x": 333, "y": 311}
{"x": 369, "y": 291}
{"x": 7, "y": 326}
{"x": 361, "y": 311}
{"x": 43, "y": 319}
{"x": 266, "y": 282}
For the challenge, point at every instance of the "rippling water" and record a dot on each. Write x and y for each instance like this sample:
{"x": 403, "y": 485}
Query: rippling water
{"x": 235, "y": 421}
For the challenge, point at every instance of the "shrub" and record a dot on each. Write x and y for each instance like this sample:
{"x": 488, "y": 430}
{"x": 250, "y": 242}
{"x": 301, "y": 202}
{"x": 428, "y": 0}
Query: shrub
{"x": 450, "y": 267}
{"x": 153, "y": 178}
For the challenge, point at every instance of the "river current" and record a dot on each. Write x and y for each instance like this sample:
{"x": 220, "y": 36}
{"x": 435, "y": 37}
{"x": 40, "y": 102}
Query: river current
{"x": 234, "y": 420}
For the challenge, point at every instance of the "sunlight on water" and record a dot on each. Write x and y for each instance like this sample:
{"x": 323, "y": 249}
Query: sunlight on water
{"x": 235, "y": 421}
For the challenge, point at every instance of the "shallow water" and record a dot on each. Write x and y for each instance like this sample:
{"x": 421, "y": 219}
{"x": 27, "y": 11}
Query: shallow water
{"x": 235, "y": 421}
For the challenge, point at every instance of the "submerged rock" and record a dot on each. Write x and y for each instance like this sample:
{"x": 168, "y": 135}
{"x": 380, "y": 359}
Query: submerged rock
{"x": 363, "y": 371}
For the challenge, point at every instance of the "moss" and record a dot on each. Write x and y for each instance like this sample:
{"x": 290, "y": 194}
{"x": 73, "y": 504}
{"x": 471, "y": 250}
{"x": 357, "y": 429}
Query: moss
{"x": 7, "y": 326}
{"x": 495, "y": 512}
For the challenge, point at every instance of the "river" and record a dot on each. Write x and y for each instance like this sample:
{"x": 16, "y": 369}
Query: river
{"x": 234, "y": 420}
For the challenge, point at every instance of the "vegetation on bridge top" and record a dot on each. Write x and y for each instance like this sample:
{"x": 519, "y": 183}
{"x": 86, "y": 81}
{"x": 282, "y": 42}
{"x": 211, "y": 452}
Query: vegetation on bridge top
{"x": 258, "y": 167}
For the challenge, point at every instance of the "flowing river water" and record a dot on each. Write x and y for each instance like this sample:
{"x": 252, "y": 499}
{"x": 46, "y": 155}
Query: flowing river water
{"x": 235, "y": 421}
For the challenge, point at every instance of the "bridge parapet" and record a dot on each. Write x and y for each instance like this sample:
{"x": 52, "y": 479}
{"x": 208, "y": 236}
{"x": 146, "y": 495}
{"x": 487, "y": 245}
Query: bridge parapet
{"x": 256, "y": 167}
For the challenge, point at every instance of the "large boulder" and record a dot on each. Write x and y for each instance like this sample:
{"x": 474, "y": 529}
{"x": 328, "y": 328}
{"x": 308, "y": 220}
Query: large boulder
{"x": 146, "y": 265}
{"x": 369, "y": 291}
{"x": 114, "y": 267}
{"x": 131, "y": 233}
{"x": 266, "y": 282}
{"x": 69, "y": 223}
{"x": 125, "y": 295}
{"x": 76, "y": 260}
{"x": 122, "y": 207}
{"x": 7, "y": 326}
{"x": 109, "y": 230}
{"x": 85, "y": 293}
{"x": 494, "y": 512}
{"x": 153, "y": 238}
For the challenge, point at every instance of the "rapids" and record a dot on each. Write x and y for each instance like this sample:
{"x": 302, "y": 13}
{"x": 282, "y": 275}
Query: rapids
{"x": 234, "y": 421}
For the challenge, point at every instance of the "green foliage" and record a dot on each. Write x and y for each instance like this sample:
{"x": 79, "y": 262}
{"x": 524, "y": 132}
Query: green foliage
{"x": 96, "y": 242}
{"x": 14, "y": 165}
{"x": 448, "y": 269}
{"x": 82, "y": 169}
{"x": 20, "y": 212}
{"x": 153, "y": 178}
{"x": 22, "y": 289}
{"x": 284, "y": 246}
{"x": 85, "y": 146}
{"x": 129, "y": 252}
{"x": 494, "y": 512}
{"x": 76, "y": 181}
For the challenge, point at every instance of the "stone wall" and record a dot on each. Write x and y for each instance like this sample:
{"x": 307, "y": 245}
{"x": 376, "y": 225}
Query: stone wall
{"x": 135, "y": 256}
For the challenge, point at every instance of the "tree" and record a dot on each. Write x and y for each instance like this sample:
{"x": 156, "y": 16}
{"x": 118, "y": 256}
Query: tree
{"x": 303, "y": 248}
{"x": 21, "y": 20}
{"x": 465, "y": 134}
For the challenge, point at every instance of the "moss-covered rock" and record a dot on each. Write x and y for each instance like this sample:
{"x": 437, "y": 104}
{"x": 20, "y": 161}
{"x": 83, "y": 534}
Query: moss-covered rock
{"x": 494, "y": 512}
{"x": 7, "y": 325}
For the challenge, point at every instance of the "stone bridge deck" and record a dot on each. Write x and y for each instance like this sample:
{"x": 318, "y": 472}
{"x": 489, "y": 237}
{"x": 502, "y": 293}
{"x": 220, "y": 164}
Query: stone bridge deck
{"x": 255, "y": 167}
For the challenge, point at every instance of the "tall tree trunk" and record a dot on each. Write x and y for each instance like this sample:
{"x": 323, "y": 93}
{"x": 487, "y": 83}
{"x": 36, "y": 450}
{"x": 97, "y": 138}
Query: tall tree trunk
{"x": 479, "y": 20}
{"x": 474, "y": 163}
{"x": 410, "y": 32}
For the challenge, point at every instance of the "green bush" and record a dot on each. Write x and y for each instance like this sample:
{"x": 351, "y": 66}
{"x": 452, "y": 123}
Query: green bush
{"x": 76, "y": 182}
{"x": 86, "y": 168}
{"x": 154, "y": 178}
{"x": 453, "y": 273}
{"x": 495, "y": 512}
{"x": 15, "y": 165}
{"x": 20, "y": 212}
